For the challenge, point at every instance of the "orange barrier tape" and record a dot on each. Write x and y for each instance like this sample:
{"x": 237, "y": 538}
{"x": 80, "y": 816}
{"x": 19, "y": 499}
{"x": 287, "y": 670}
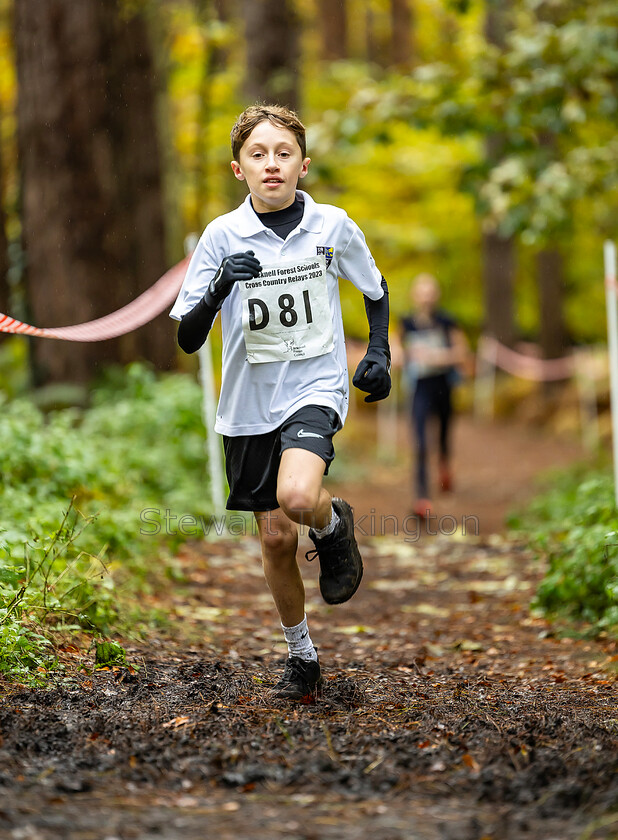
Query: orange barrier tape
{"x": 135, "y": 314}
{"x": 525, "y": 367}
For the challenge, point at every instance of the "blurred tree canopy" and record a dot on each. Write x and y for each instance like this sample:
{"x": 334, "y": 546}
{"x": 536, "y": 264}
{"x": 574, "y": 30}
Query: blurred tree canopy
{"x": 436, "y": 132}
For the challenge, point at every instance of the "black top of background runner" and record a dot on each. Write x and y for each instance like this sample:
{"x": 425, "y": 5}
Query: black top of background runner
{"x": 438, "y": 319}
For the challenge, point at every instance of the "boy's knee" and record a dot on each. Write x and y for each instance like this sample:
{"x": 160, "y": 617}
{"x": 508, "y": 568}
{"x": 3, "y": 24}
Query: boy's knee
{"x": 298, "y": 502}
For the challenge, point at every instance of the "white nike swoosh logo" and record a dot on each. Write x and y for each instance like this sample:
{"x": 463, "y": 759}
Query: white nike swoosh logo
{"x": 303, "y": 433}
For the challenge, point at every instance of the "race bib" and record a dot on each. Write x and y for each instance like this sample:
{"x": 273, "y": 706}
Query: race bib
{"x": 286, "y": 313}
{"x": 429, "y": 339}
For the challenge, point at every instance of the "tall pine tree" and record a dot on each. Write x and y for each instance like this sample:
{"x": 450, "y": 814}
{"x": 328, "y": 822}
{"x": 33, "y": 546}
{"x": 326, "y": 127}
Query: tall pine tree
{"x": 272, "y": 33}
{"x": 93, "y": 226}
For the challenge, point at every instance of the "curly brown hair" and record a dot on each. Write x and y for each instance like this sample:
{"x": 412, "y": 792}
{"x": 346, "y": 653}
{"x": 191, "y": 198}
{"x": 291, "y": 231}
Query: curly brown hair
{"x": 276, "y": 114}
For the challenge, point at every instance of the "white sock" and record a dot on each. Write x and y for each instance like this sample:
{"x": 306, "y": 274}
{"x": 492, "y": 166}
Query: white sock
{"x": 299, "y": 641}
{"x": 328, "y": 529}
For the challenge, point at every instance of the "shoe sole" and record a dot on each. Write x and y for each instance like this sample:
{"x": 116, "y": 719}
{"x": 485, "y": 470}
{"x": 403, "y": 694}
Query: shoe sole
{"x": 347, "y": 597}
{"x": 345, "y": 508}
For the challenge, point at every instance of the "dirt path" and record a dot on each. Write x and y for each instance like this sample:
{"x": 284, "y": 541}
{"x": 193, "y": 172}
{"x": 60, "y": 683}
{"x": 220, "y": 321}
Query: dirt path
{"x": 496, "y": 468}
{"x": 449, "y": 711}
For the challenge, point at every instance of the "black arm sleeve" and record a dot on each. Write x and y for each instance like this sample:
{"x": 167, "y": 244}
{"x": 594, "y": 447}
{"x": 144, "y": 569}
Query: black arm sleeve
{"x": 195, "y": 325}
{"x": 377, "y": 315}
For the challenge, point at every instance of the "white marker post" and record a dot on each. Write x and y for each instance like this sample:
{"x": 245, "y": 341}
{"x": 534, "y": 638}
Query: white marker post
{"x": 209, "y": 410}
{"x": 213, "y": 442}
{"x": 485, "y": 377}
{"x": 609, "y": 252}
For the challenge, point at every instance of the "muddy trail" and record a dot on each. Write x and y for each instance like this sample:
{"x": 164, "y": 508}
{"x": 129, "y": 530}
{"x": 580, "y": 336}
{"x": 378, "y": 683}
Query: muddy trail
{"x": 449, "y": 710}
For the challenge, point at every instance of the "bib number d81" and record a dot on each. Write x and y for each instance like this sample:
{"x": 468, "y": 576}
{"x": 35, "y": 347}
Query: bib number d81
{"x": 286, "y": 312}
{"x": 259, "y": 316}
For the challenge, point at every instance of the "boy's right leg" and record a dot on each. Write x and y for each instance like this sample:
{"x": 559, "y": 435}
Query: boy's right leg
{"x": 279, "y": 541}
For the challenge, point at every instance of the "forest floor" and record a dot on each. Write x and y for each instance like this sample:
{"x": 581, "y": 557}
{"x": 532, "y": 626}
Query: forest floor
{"x": 450, "y": 710}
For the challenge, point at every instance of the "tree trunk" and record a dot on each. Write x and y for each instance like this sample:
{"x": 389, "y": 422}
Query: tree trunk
{"x": 377, "y": 38}
{"x": 550, "y": 276}
{"x": 92, "y": 205}
{"x": 272, "y": 32}
{"x": 497, "y": 21}
{"x": 549, "y": 262}
{"x": 217, "y": 54}
{"x": 402, "y": 48}
{"x": 550, "y": 282}
{"x": 498, "y": 283}
{"x": 214, "y": 60}
{"x": 333, "y": 23}
{"x": 498, "y": 252}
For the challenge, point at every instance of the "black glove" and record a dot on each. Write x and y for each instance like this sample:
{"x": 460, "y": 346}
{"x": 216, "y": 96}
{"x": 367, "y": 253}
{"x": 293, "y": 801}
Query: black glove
{"x": 242, "y": 266}
{"x": 373, "y": 374}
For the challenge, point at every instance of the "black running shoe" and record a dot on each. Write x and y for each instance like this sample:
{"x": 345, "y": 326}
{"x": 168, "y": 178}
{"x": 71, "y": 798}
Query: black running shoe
{"x": 300, "y": 680}
{"x": 341, "y": 566}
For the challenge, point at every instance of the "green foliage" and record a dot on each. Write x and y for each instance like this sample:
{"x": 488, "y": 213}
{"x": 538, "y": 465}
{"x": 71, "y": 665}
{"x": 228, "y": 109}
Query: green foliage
{"x": 574, "y": 528}
{"x": 50, "y": 583}
{"x": 13, "y": 366}
{"x": 546, "y": 102}
{"x": 399, "y": 184}
{"x": 523, "y": 136}
{"x": 554, "y": 99}
{"x": 109, "y": 653}
{"x": 140, "y": 446}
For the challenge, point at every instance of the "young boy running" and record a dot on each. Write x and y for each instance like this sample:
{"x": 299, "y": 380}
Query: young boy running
{"x": 271, "y": 267}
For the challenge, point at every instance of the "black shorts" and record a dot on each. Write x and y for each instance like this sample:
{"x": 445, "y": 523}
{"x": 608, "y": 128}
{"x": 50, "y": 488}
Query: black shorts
{"x": 252, "y": 461}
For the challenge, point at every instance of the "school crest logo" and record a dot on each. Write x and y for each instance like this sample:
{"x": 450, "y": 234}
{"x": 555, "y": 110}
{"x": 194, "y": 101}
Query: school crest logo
{"x": 327, "y": 252}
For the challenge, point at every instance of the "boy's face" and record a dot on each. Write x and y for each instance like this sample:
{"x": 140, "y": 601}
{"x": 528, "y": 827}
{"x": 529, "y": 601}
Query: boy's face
{"x": 271, "y": 162}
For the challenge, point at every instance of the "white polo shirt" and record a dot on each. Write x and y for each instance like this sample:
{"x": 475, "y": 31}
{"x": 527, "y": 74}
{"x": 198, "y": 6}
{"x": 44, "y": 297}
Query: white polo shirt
{"x": 283, "y": 341}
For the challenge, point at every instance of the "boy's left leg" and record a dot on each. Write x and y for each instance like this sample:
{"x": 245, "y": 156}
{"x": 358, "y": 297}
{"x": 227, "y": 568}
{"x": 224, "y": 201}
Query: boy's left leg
{"x": 305, "y": 501}
{"x": 299, "y": 489}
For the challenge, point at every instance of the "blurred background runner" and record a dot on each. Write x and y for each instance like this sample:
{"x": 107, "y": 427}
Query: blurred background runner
{"x": 435, "y": 352}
